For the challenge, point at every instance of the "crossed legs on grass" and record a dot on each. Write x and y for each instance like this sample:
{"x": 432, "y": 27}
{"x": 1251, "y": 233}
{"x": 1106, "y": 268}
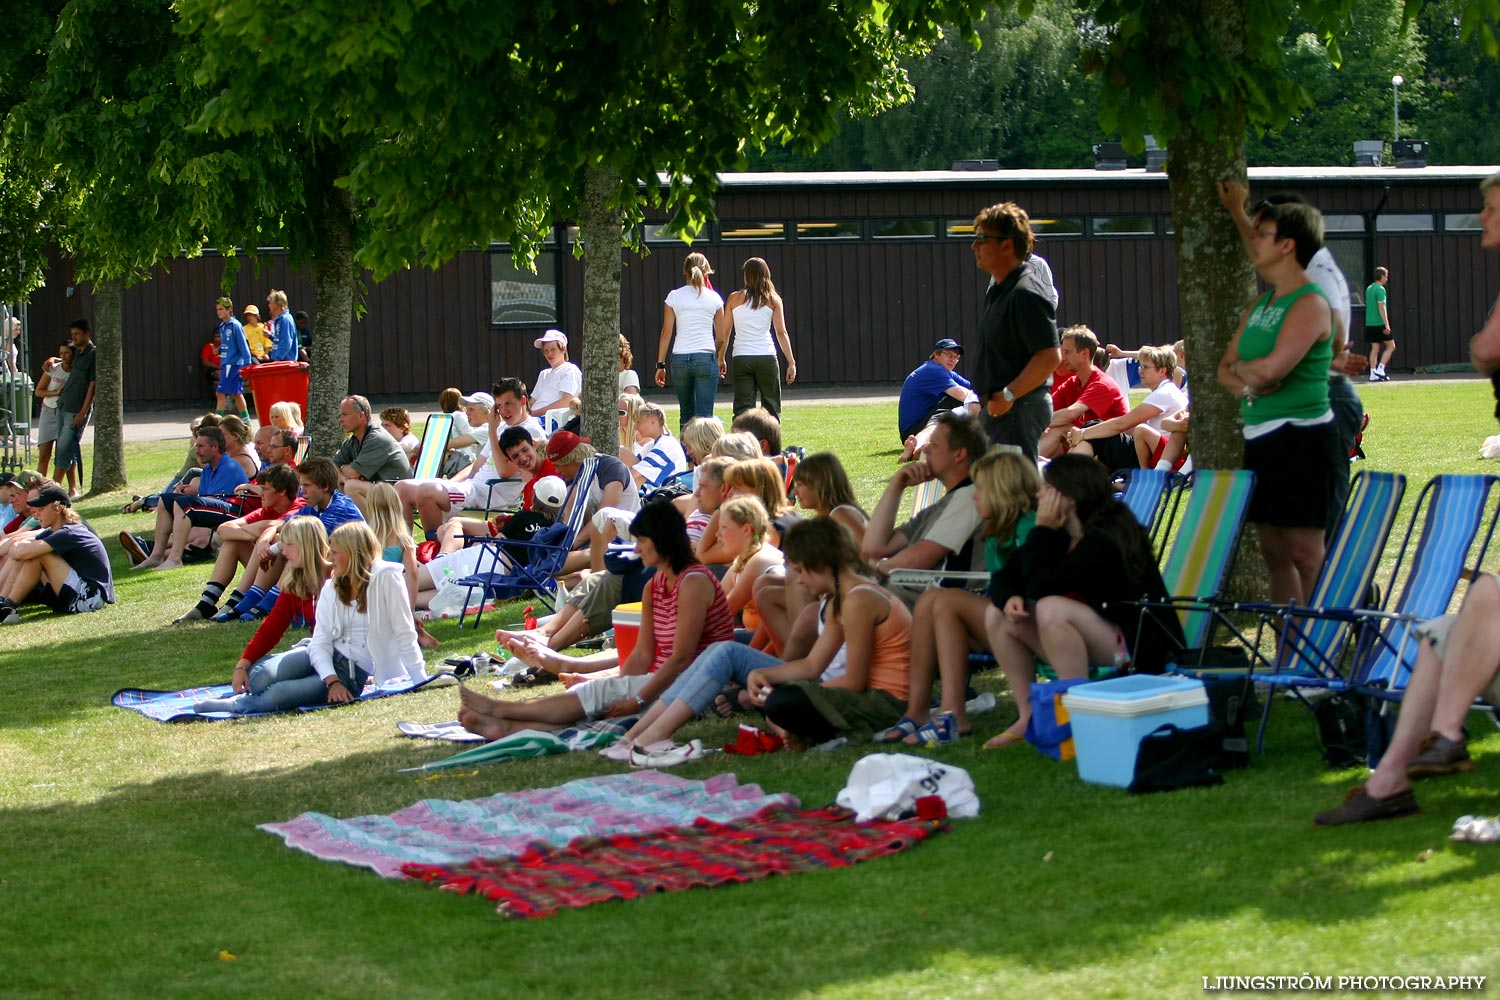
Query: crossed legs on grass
{"x": 1068, "y": 634}
{"x": 1438, "y": 696}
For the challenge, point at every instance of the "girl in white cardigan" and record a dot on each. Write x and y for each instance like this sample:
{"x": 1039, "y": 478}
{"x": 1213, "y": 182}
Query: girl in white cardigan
{"x": 364, "y": 619}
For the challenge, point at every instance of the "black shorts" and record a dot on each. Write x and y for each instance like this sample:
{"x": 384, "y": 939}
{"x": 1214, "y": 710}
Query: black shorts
{"x": 1377, "y": 335}
{"x": 1295, "y": 475}
{"x": 1116, "y": 451}
{"x": 76, "y": 596}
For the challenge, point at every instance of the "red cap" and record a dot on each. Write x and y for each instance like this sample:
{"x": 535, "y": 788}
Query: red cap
{"x": 562, "y": 443}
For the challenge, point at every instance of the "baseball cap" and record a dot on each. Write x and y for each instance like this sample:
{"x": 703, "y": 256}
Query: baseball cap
{"x": 6, "y": 478}
{"x": 251, "y": 310}
{"x": 483, "y": 399}
{"x": 52, "y": 494}
{"x": 948, "y": 344}
{"x": 551, "y": 337}
{"x": 563, "y": 442}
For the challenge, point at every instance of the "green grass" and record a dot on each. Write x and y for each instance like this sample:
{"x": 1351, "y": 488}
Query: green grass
{"x": 130, "y": 857}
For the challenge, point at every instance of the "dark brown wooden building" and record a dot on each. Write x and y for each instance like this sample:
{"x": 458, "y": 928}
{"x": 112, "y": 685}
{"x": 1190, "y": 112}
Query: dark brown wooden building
{"x": 874, "y": 267}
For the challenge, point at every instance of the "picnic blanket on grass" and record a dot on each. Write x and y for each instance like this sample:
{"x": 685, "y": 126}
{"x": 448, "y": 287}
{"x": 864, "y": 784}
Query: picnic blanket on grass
{"x": 778, "y": 840}
{"x": 177, "y": 706}
{"x": 446, "y": 832}
{"x": 525, "y": 743}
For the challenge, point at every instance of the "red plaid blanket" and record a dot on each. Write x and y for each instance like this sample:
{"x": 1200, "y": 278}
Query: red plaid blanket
{"x": 776, "y": 841}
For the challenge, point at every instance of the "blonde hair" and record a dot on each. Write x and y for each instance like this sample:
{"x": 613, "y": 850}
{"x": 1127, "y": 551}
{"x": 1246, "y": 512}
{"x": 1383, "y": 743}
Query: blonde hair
{"x": 582, "y": 453}
{"x": 357, "y": 541}
{"x": 288, "y": 411}
{"x": 647, "y": 409}
{"x": 631, "y": 404}
{"x": 761, "y": 476}
{"x": 740, "y": 445}
{"x": 701, "y": 434}
{"x": 695, "y": 271}
{"x": 311, "y": 539}
{"x": 748, "y": 512}
{"x": 1162, "y": 357}
{"x": 277, "y": 296}
{"x": 1007, "y": 485}
{"x": 386, "y": 519}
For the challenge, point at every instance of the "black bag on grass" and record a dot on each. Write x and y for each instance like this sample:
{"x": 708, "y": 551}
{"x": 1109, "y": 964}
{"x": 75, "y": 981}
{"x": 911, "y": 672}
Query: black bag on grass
{"x": 1231, "y": 703}
{"x": 1171, "y": 757}
{"x": 1341, "y": 728}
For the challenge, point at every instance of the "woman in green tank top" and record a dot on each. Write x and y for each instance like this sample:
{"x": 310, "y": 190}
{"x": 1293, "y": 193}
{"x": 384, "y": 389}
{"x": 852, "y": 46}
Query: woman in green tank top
{"x": 1277, "y": 364}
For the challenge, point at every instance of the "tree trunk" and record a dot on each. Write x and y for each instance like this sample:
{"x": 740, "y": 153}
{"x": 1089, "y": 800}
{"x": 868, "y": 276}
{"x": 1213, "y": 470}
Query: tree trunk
{"x": 109, "y": 382}
{"x": 600, "y": 228}
{"x": 1215, "y": 281}
{"x": 333, "y": 276}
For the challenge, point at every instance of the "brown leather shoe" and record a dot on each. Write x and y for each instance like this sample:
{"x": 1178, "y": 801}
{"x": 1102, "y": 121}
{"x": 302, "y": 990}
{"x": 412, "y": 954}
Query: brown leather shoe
{"x": 1440, "y": 755}
{"x": 1359, "y": 807}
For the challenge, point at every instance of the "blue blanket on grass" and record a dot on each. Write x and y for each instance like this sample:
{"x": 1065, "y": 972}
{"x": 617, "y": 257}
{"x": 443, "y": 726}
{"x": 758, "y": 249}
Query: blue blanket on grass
{"x": 177, "y": 706}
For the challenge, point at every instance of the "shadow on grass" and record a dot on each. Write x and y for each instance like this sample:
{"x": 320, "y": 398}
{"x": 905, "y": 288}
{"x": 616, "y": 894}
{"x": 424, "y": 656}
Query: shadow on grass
{"x": 141, "y": 889}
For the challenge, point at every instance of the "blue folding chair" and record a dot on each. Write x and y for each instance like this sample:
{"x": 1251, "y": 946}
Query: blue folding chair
{"x": 510, "y": 567}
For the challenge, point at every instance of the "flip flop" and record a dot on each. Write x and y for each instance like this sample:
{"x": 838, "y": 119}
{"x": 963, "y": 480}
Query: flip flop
{"x": 900, "y": 731}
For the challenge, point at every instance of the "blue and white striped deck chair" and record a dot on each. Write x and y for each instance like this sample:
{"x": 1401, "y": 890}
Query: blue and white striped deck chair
{"x": 1312, "y": 640}
{"x": 1149, "y": 494}
{"x": 1451, "y": 548}
{"x": 510, "y": 567}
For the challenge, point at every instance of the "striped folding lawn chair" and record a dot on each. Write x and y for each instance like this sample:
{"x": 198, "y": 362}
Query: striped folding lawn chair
{"x": 1455, "y": 537}
{"x": 1313, "y": 638}
{"x": 429, "y": 463}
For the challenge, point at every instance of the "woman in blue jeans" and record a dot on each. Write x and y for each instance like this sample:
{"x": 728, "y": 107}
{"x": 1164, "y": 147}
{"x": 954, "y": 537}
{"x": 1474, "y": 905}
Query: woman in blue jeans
{"x": 695, "y": 310}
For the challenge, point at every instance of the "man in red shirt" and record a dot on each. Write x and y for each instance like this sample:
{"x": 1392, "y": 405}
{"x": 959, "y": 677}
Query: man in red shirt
{"x": 1088, "y": 394}
{"x": 278, "y": 501}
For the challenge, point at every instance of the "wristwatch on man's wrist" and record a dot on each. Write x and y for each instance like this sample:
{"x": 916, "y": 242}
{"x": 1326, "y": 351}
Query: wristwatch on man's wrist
{"x": 1010, "y": 397}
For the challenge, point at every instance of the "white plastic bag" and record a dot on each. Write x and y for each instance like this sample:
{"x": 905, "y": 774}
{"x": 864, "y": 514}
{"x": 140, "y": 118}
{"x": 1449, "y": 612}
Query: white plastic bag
{"x": 887, "y": 785}
{"x": 449, "y": 600}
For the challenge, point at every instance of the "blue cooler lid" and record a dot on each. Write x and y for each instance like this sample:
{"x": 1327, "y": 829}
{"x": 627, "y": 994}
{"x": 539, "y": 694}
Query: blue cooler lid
{"x": 1136, "y": 694}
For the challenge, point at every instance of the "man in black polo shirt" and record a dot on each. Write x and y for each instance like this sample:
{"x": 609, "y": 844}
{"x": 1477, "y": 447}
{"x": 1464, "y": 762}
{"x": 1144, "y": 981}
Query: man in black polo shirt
{"x": 1018, "y": 343}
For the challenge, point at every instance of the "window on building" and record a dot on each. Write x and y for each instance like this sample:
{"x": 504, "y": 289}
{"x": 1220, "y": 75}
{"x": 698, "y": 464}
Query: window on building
{"x": 1343, "y": 223}
{"x": 1461, "y": 222}
{"x": 1124, "y": 225}
{"x": 899, "y": 229}
{"x": 519, "y": 297}
{"x": 752, "y": 231}
{"x": 1404, "y": 222}
{"x": 829, "y": 230}
{"x": 657, "y": 232}
{"x": 1066, "y": 225}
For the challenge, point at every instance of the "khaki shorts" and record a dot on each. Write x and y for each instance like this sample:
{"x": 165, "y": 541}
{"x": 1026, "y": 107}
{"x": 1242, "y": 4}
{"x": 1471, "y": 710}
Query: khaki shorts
{"x": 597, "y": 695}
{"x": 1435, "y": 631}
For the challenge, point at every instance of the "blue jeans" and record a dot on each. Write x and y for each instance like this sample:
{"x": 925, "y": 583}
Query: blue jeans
{"x": 696, "y": 378}
{"x": 66, "y": 453}
{"x": 716, "y": 666}
{"x": 285, "y": 681}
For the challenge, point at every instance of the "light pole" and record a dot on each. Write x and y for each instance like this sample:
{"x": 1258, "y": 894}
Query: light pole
{"x": 1396, "y": 82}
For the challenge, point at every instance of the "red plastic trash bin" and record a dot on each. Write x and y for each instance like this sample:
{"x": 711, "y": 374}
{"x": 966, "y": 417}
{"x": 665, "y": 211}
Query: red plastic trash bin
{"x": 275, "y": 382}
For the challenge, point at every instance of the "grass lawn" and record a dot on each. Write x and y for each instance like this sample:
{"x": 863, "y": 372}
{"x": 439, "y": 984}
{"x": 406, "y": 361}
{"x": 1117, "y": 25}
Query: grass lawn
{"x": 129, "y": 858}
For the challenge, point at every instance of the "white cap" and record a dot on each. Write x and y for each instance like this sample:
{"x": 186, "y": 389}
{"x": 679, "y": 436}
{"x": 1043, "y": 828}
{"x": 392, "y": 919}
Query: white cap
{"x": 484, "y": 399}
{"x": 551, "y": 337}
{"x": 550, "y": 490}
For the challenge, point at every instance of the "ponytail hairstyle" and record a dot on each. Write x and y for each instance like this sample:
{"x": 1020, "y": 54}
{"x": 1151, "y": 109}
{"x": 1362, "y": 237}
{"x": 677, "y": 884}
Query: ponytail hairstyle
{"x": 761, "y": 477}
{"x": 1086, "y": 482}
{"x": 758, "y": 285}
{"x": 311, "y": 539}
{"x": 357, "y": 541}
{"x": 823, "y": 544}
{"x": 747, "y": 512}
{"x": 1007, "y": 484}
{"x": 695, "y": 271}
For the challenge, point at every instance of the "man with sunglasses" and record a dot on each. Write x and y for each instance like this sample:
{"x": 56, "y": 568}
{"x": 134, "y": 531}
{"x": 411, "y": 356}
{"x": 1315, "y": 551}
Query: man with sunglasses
{"x": 1019, "y": 347}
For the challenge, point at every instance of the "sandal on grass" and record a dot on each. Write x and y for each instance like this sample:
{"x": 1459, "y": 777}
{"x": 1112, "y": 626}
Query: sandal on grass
{"x": 900, "y": 731}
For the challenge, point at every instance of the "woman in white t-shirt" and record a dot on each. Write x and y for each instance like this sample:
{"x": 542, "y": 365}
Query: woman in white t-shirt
{"x": 559, "y": 386}
{"x": 695, "y": 310}
{"x": 754, "y": 312}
